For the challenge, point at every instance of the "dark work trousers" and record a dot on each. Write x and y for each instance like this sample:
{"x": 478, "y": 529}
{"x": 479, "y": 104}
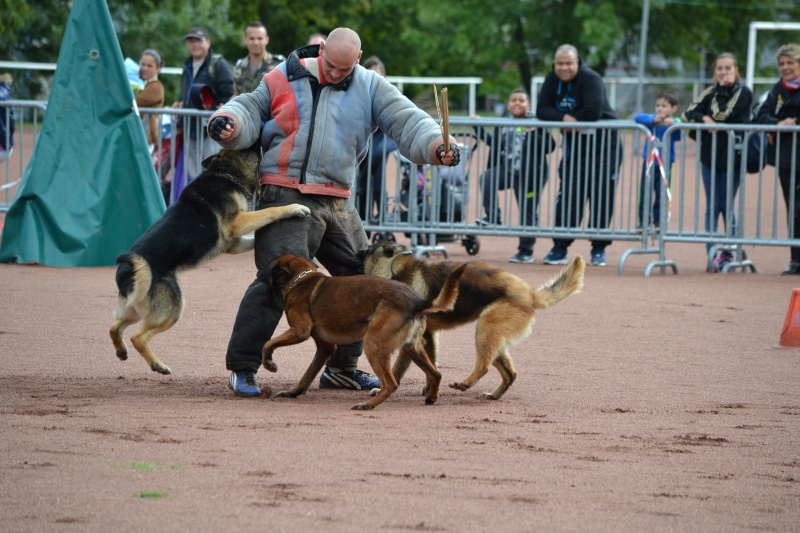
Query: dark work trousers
{"x": 333, "y": 234}
{"x": 588, "y": 173}
{"x": 791, "y": 193}
{"x": 527, "y": 191}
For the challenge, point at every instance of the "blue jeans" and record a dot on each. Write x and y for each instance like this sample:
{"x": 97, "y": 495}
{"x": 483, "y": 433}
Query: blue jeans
{"x": 716, "y": 198}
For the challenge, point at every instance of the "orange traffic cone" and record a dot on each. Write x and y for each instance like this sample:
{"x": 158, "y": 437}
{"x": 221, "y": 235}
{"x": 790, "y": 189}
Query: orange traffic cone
{"x": 790, "y": 335}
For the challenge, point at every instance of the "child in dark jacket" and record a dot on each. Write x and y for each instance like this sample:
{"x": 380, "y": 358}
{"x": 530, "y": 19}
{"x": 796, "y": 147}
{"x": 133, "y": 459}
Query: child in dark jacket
{"x": 518, "y": 160}
{"x": 727, "y": 101}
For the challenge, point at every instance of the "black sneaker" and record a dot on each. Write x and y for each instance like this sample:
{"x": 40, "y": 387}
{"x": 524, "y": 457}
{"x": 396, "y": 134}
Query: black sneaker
{"x": 598, "y": 257}
{"x": 792, "y": 270}
{"x": 557, "y": 256}
{"x": 521, "y": 257}
{"x": 353, "y": 380}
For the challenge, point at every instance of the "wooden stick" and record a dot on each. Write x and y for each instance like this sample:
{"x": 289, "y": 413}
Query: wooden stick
{"x": 445, "y": 121}
{"x": 438, "y": 109}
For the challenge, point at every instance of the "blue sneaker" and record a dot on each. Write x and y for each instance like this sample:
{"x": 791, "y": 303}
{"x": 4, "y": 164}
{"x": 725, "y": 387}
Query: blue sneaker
{"x": 557, "y": 256}
{"x": 598, "y": 257}
{"x": 243, "y": 383}
{"x": 354, "y": 380}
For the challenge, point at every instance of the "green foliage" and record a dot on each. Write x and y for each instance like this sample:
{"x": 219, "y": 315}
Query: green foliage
{"x": 503, "y": 41}
{"x": 16, "y": 13}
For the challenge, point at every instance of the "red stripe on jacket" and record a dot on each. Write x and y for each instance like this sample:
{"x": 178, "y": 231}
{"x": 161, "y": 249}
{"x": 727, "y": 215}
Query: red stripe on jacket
{"x": 284, "y": 112}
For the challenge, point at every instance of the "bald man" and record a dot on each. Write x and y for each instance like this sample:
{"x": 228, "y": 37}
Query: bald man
{"x": 313, "y": 117}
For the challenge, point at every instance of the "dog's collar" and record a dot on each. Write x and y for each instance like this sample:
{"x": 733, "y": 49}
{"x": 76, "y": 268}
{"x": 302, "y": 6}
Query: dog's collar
{"x": 248, "y": 194}
{"x": 291, "y": 286}
{"x": 391, "y": 266}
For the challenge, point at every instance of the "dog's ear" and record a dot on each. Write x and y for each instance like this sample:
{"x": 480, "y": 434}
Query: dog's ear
{"x": 277, "y": 272}
{"x": 209, "y": 160}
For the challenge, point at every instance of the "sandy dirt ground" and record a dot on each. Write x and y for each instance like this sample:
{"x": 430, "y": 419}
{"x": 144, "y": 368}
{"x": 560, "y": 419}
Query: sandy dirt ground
{"x": 643, "y": 404}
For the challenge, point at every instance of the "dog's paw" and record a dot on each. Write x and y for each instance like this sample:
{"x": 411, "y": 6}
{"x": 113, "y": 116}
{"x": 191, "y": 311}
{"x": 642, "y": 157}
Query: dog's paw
{"x": 459, "y": 386}
{"x": 287, "y": 394}
{"x": 489, "y": 396}
{"x": 374, "y": 392}
{"x": 122, "y": 355}
{"x": 431, "y": 401}
{"x": 362, "y": 407}
{"x": 161, "y": 368}
{"x": 270, "y": 365}
{"x": 300, "y": 211}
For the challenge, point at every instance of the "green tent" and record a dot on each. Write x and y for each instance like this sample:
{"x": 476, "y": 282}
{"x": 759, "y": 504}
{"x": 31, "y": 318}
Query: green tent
{"x": 90, "y": 188}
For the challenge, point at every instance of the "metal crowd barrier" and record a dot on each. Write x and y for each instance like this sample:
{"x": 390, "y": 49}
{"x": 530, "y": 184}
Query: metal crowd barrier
{"x": 452, "y": 203}
{"x": 28, "y": 116}
{"x": 175, "y": 128}
{"x": 757, "y": 213}
{"x": 440, "y": 209}
{"x": 434, "y": 206}
{"x": 28, "y": 121}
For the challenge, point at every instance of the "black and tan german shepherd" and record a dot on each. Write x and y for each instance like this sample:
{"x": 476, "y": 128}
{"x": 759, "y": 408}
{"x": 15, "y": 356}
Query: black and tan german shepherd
{"x": 210, "y": 217}
{"x": 501, "y": 303}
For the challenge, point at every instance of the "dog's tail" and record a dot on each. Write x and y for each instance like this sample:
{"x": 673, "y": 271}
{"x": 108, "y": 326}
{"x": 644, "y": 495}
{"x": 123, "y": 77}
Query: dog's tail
{"x": 133, "y": 277}
{"x": 566, "y": 283}
{"x": 449, "y": 293}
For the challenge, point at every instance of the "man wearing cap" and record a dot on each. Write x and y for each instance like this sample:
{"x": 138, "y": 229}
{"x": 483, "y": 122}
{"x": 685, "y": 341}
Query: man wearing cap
{"x": 206, "y": 83}
{"x": 313, "y": 116}
{"x": 249, "y": 70}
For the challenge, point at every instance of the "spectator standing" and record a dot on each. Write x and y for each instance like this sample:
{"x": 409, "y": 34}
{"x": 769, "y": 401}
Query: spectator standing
{"x": 728, "y": 101}
{"x": 7, "y": 125}
{"x": 152, "y": 95}
{"x": 657, "y": 123}
{"x": 150, "y": 64}
{"x": 206, "y": 83}
{"x": 249, "y": 71}
{"x": 782, "y": 108}
{"x": 316, "y": 38}
{"x": 572, "y": 92}
{"x": 314, "y": 116}
{"x": 373, "y": 165}
{"x": 518, "y": 160}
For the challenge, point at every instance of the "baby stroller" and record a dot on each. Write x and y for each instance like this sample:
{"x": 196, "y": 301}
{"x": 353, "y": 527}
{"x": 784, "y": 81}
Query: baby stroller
{"x": 447, "y": 203}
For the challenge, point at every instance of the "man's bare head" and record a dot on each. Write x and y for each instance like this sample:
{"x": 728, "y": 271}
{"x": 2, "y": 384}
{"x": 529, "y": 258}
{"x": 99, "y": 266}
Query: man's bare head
{"x": 340, "y": 53}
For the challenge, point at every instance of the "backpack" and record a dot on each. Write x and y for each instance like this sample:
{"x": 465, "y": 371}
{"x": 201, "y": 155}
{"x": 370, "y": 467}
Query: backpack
{"x": 212, "y": 67}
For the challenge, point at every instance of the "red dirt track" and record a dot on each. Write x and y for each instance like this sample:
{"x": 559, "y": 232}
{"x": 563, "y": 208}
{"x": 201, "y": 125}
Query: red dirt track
{"x": 642, "y": 404}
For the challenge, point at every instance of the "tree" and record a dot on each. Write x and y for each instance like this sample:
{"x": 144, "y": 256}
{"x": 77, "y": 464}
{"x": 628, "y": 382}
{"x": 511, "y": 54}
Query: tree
{"x": 503, "y": 41}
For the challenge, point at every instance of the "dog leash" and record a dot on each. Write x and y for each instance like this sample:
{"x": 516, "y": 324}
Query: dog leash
{"x": 391, "y": 266}
{"x": 293, "y": 283}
